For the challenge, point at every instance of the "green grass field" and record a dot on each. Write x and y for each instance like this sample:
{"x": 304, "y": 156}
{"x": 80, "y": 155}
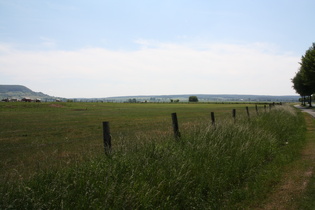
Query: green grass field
{"x": 52, "y": 155}
{"x": 36, "y": 135}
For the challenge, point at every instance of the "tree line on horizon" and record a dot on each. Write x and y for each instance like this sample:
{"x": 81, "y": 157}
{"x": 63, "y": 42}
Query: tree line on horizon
{"x": 304, "y": 80}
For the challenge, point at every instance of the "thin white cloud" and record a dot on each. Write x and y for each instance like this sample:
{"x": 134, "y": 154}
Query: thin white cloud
{"x": 47, "y": 42}
{"x": 155, "y": 68}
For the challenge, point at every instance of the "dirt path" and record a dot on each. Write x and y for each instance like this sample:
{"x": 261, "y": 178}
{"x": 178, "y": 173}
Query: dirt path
{"x": 296, "y": 175}
{"x": 304, "y": 109}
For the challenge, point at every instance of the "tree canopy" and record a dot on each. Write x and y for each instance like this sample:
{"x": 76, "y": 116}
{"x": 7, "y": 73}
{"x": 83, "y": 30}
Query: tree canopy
{"x": 193, "y": 99}
{"x": 308, "y": 67}
{"x": 304, "y": 80}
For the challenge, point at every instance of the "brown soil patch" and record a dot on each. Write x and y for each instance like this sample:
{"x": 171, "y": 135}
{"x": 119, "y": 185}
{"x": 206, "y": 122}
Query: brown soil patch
{"x": 56, "y": 105}
{"x": 296, "y": 176}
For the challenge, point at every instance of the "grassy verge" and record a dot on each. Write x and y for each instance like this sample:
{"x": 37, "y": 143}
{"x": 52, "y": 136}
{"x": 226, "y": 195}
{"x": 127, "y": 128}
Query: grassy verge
{"x": 228, "y": 166}
{"x": 307, "y": 200}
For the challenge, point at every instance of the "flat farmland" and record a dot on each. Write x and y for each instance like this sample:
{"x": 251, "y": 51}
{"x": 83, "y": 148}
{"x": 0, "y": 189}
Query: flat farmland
{"x": 36, "y": 136}
{"x": 52, "y": 155}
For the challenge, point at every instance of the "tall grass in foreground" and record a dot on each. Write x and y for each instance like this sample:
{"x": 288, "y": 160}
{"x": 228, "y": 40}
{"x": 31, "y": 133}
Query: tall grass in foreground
{"x": 230, "y": 166}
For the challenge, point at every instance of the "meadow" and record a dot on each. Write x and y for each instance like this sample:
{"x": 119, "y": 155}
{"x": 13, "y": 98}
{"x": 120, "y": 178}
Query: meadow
{"x": 52, "y": 155}
{"x": 36, "y": 135}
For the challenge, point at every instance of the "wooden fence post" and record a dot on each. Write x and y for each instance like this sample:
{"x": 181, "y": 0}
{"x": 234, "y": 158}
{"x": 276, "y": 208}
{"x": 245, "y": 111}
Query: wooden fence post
{"x": 175, "y": 126}
{"x": 256, "y": 107}
{"x": 247, "y": 111}
{"x": 107, "y": 137}
{"x": 234, "y": 114}
{"x": 265, "y": 107}
{"x": 212, "y": 118}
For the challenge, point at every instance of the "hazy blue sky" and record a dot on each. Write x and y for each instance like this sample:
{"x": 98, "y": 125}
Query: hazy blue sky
{"x": 76, "y": 48}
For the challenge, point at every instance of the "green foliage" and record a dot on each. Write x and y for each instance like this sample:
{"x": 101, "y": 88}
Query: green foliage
{"x": 193, "y": 99}
{"x": 308, "y": 67}
{"x": 300, "y": 86}
{"x": 174, "y": 100}
{"x": 132, "y": 100}
{"x": 222, "y": 167}
{"x": 304, "y": 80}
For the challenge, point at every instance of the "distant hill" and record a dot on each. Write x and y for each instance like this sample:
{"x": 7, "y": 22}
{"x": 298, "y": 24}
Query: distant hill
{"x": 205, "y": 98}
{"x": 20, "y": 91}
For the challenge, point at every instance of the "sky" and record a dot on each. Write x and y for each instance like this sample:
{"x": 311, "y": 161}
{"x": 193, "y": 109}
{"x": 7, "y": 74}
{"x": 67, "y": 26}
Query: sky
{"x": 103, "y": 48}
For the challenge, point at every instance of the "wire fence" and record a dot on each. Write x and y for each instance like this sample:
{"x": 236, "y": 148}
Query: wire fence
{"x": 65, "y": 130}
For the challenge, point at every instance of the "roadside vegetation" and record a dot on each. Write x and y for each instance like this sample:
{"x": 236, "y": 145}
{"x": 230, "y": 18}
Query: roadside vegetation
{"x": 52, "y": 155}
{"x": 307, "y": 200}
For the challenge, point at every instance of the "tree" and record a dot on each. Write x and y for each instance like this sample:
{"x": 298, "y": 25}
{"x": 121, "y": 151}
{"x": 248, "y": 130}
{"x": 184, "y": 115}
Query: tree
{"x": 300, "y": 87}
{"x": 307, "y": 70}
{"x": 132, "y": 100}
{"x": 193, "y": 99}
{"x": 308, "y": 67}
